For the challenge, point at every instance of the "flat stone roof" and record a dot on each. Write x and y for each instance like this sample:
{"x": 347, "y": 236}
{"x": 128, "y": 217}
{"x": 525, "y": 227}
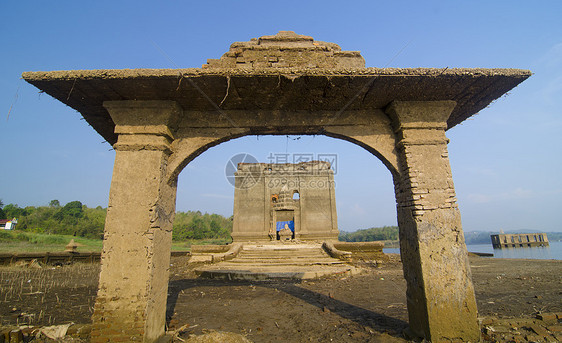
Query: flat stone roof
{"x": 255, "y": 84}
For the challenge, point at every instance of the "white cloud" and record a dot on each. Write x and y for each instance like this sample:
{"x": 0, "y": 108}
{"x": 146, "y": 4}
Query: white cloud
{"x": 479, "y": 198}
{"x": 357, "y": 209}
{"x": 553, "y": 57}
{"x": 519, "y": 193}
{"x": 482, "y": 171}
{"x": 548, "y": 70}
{"x": 514, "y": 194}
{"x": 552, "y": 90}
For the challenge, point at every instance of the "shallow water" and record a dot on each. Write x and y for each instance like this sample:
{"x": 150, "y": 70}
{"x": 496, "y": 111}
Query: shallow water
{"x": 552, "y": 252}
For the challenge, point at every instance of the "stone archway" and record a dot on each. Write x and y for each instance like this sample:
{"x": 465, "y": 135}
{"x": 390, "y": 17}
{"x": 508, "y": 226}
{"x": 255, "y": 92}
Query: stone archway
{"x": 159, "y": 120}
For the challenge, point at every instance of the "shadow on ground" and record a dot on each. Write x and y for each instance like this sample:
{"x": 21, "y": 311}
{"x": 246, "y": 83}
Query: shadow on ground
{"x": 266, "y": 311}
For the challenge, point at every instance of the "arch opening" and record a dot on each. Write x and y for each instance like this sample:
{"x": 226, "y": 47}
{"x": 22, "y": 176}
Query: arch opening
{"x": 362, "y": 169}
{"x": 369, "y": 185}
{"x": 188, "y": 152}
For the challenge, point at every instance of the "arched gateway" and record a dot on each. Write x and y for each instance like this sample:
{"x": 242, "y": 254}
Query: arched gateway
{"x": 158, "y": 120}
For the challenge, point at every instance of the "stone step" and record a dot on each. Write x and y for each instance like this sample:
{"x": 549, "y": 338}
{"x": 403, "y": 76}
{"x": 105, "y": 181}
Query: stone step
{"x": 282, "y": 258}
{"x": 250, "y": 266}
{"x": 283, "y": 248}
{"x": 274, "y": 272}
{"x": 277, "y": 253}
{"x": 261, "y": 257}
{"x": 282, "y": 255}
{"x": 284, "y": 263}
{"x": 281, "y": 251}
{"x": 266, "y": 261}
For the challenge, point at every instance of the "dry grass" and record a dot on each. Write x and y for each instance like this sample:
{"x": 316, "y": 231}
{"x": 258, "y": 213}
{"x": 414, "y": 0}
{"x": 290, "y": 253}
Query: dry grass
{"x": 27, "y": 293}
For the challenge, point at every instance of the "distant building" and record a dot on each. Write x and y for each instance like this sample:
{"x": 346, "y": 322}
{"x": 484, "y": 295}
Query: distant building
{"x": 284, "y": 201}
{"x": 8, "y": 224}
{"x": 505, "y": 240}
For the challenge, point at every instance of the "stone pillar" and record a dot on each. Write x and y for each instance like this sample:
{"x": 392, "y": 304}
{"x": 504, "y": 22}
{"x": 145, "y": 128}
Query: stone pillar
{"x": 133, "y": 285}
{"x": 440, "y": 294}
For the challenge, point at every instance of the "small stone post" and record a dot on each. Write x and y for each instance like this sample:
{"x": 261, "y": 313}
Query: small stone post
{"x": 71, "y": 246}
{"x": 133, "y": 286}
{"x": 440, "y": 294}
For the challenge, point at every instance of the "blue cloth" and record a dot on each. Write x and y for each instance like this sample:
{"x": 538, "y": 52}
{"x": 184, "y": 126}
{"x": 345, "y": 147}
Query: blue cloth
{"x": 290, "y": 223}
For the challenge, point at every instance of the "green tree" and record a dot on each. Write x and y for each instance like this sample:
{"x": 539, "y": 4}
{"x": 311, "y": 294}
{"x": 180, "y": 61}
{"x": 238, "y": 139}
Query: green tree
{"x": 385, "y": 233}
{"x": 195, "y": 225}
{"x": 54, "y": 203}
{"x": 2, "y": 214}
{"x": 14, "y": 211}
{"x": 74, "y": 218}
{"x": 70, "y": 211}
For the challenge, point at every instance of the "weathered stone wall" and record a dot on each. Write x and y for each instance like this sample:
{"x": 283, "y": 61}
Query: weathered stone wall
{"x": 286, "y": 50}
{"x": 506, "y": 240}
{"x": 366, "y": 251}
{"x": 251, "y": 205}
{"x": 256, "y": 211}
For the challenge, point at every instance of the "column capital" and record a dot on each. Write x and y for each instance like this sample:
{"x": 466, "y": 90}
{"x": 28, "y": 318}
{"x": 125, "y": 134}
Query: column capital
{"x": 420, "y": 114}
{"x": 144, "y": 125}
{"x": 144, "y": 112}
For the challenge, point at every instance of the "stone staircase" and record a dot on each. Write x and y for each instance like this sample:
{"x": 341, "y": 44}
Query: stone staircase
{"x": 277, "y": 260}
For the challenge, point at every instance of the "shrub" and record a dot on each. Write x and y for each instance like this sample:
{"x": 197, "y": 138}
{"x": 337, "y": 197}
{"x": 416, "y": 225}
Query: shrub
{"x": 21, "y": 236}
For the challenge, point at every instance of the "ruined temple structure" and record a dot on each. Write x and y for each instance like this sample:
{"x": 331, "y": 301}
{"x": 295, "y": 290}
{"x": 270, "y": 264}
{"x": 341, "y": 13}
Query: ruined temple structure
{"x": 519, "y": 240}
{"x": 284, "y": 201}
{"x": 159, "y": 120}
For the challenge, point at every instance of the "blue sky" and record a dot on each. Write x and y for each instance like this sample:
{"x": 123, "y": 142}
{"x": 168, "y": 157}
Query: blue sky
{"x": 506, "y": 160}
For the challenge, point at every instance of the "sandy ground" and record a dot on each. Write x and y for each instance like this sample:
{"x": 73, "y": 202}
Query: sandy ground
{"x": 369, "y": 307}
